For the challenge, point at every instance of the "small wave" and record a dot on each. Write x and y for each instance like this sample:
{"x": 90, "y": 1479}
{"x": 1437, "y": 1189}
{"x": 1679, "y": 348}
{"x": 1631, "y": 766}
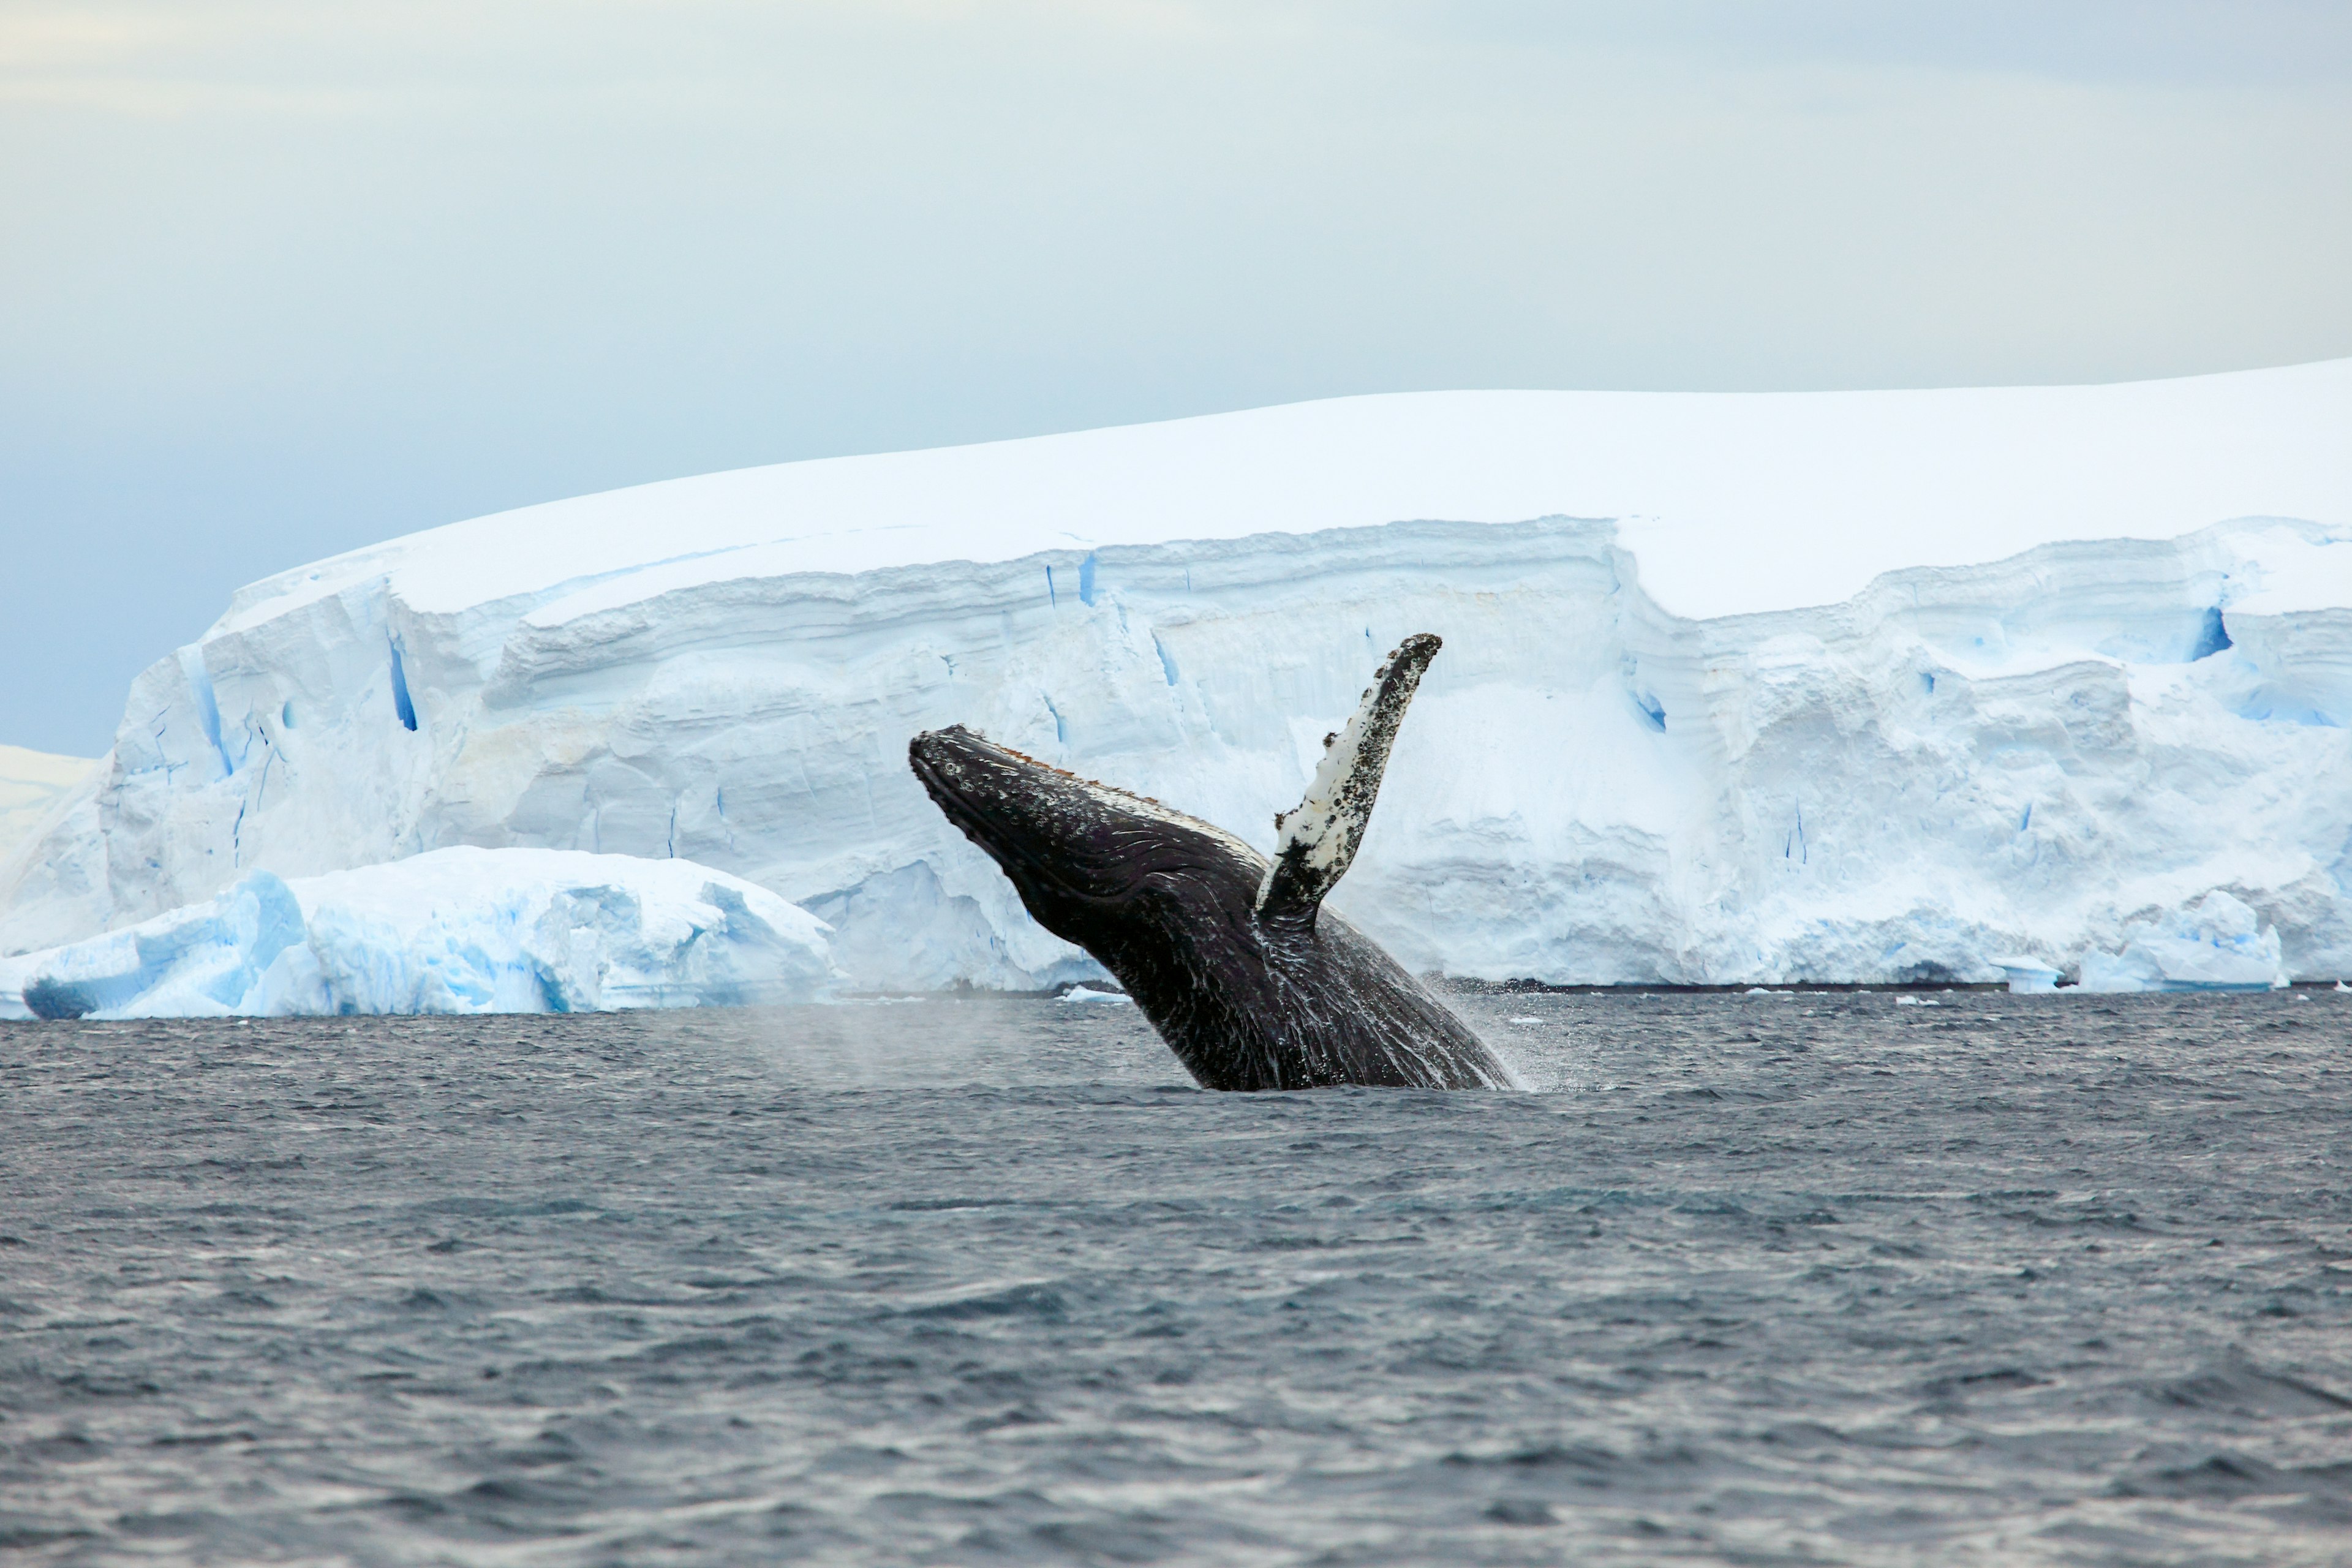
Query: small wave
{"x": 1029, "y": 1299}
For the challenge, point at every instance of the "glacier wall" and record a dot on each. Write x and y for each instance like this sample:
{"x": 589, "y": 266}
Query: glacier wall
{"x": 2017, "y": 759}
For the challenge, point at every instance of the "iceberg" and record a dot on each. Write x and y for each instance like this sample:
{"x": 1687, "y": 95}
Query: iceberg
{"x": 2217, "y": 944}
{"x": 460, "y": 929}
{"x": 1736, "y": 689}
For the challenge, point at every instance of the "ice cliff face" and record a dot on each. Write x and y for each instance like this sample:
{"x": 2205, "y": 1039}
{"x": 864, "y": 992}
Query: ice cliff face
{"x": 1726, "y": 736}
{"x": 31, "y": 785}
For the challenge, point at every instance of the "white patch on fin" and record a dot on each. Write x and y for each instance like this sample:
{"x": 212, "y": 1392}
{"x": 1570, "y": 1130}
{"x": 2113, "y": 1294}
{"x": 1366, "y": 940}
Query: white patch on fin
{"x": 1316, "y": 840}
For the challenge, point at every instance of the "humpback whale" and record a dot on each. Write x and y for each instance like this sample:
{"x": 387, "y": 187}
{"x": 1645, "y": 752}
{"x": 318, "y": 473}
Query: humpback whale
{"x": 1230, "y": 955}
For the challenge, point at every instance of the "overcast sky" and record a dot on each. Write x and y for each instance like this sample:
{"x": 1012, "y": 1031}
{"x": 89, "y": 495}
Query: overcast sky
{"x": 280, "y": 279}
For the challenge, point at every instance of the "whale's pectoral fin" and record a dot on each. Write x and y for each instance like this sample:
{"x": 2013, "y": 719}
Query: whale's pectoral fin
{"x": 1317, "y": 838}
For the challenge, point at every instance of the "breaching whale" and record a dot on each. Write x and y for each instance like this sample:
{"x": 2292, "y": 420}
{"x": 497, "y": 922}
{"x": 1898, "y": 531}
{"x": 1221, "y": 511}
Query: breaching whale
{"x": 1230, "y": 955}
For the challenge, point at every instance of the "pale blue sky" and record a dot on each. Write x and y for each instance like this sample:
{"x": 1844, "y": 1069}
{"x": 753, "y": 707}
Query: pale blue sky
{"x": 277, "y": 280}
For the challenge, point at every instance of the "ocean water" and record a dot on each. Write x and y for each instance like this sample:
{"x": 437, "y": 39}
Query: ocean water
{"x": 1810, "y": 1278}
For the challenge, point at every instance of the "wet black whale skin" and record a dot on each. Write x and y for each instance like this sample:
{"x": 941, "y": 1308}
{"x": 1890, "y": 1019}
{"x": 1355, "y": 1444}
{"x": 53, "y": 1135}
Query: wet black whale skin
{"x": 1297, "y": 999}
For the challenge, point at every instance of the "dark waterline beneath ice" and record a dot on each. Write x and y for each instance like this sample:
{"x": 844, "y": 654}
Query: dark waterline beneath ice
{"x": 1760, "y": 1280}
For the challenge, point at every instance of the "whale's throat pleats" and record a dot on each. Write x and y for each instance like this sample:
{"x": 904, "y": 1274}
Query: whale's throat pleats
{"x": 1318, "y": 838}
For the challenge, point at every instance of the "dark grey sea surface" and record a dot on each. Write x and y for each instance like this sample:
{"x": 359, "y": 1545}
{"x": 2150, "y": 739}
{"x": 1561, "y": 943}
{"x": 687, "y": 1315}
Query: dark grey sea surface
{"x": 1799, "y": 1278}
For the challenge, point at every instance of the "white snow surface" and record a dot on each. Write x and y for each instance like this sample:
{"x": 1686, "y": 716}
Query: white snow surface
{"x": 453, "y": 931}
{"x": 1883, "y": 685}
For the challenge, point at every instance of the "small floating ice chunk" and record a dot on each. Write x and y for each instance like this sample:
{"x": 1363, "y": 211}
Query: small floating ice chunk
{"x": 2027, "y": 976}
{"x": 1089, "y": 994}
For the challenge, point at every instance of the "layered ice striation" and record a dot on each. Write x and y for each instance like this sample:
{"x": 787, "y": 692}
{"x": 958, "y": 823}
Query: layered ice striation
{"x": 1876, "y": 687}
{"x": 453, "y": 931}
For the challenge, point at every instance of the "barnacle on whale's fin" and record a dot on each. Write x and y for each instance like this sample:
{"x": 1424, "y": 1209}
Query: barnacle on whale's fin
{"x": 1317, "y": 839}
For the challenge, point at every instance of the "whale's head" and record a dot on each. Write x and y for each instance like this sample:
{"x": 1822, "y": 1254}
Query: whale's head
{"x": 1091, "y": 862}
